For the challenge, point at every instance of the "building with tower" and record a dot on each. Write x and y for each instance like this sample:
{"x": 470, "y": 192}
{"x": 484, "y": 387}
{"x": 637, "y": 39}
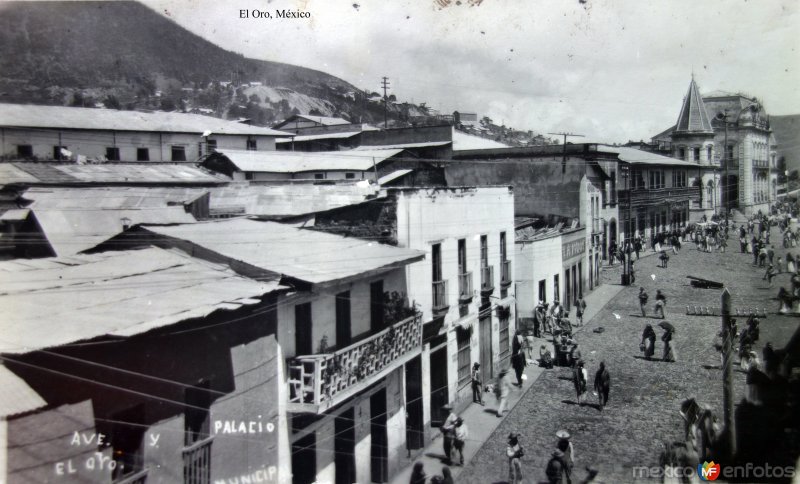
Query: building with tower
{"x": 729, "y": 137}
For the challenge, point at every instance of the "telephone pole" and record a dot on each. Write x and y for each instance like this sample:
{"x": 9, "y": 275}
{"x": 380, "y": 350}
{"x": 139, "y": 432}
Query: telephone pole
{"x": 564, "y": 155}
{"x": 385, "y": 85}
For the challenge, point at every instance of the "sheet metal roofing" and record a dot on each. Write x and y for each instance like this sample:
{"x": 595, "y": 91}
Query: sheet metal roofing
{"x": 393, "y": 176}
{"x": 72, "y": 230}
{"x": 402, "y": 146}
{"x": 117, "y": 173}
{"x": 17, "y": 396}
{"x": 57, "y": 301}
{"x": 464, "y": 141}
{"x": 105, "y": 198}
{"x": 61, "y": 117}
{"x": 308, "y": 255}
{"x": 313, "y": 137}
{"x": 639, "y": 157}
{"x": 323, "y": 120}
{"x": 301, "y": 161}
{"x": 286, "y": 200}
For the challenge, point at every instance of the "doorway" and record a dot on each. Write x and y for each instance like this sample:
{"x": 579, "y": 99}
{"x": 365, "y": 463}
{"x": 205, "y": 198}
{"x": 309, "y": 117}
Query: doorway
{"x": 415, "y": 427}
{"x": 345, "y": 447}
{"x": 439, "y": 385}
{"x": 486, "y": 348}
{"x": 379, "y": 452}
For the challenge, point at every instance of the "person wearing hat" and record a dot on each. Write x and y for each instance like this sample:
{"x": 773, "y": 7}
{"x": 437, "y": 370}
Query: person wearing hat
{"x": 579, "y": 380}
{"x": 449, "y": 433}
{"x": 556, "y": 469}
{"x": 565, "y": 446}
{"x": 477, "y": 384}
{"x": 538, "y": 319}
{"x": 514, "y": 452}
{"x": 602, "y": 384}
{"x": 518, "y": 362}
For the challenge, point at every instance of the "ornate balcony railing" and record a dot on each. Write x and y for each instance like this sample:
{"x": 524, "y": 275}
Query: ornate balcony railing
{"x": 320, "y": 382}
{"x": 487, "y": 279}
{"x": 465, "y": 287}
{"x": 650, "y": 196}
{"x": 197, "y": 462}
{"x": 505, "y": 273}
{"x": 440, "y": 300}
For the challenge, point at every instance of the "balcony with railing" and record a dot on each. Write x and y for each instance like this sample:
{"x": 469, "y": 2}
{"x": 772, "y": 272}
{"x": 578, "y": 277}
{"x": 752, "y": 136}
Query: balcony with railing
{"x": 465, "y": 291}
{"x": 320, "y": 382}
{"x": 651, "y": 196}
{"x": 487, "y": 280}
{"x": 505, "y": 273}
{"x": 197, "y": 462}
{"x": 441, "y": 302}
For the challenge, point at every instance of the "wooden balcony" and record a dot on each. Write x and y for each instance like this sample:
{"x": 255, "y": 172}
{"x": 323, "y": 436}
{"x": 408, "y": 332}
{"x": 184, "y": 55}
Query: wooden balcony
{"x": 320, "y": 382}
{"x": 441, "y": 301}
{"x": 655, "y": 196}
{"x": 487, "y": 280}
{"x": 505, "y": 274}
{"x": 465, "y": 291}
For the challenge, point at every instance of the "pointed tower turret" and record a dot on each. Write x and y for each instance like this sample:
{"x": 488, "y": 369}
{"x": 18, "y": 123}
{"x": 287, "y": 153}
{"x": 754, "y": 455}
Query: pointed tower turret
{"x": 693, "y": 117}
{"x": 693, "y": 136}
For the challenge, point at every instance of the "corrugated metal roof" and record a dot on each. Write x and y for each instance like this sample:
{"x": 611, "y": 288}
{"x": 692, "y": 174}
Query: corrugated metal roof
{"x": 393, "y": 176}
{"x": 70, "y": 231}
{"x": 11, "y": 174}
{"x": 304, "y": 254}
{"x": 33, "y": 116}
{"x": 110, "y": 198}
{"x": 639, "y": 157}
{"x": 57, "y": 301}
{"x": 283, "y": 200}
{"x": 323, "y": 120}
{"x": 301, "y": 161}
{"x": 15, "y": 214}
{"x": 402, "y": 146}
{"x": 131, "y": 174}
{"x": 16, "y": 396}
{"x": 463, "y": 141}
{"x": 313, "y": 137}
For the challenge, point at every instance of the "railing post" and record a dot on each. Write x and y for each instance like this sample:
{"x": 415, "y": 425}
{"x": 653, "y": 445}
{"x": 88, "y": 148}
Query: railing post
{"x": 317, "y": 381}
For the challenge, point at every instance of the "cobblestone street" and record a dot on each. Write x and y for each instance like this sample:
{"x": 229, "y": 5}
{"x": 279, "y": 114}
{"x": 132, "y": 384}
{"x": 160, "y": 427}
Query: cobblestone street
{"x": 643, "y": 408}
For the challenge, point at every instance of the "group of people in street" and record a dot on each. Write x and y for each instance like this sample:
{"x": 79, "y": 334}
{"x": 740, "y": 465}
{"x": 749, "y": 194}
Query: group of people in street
{"x": 648, "y": 342}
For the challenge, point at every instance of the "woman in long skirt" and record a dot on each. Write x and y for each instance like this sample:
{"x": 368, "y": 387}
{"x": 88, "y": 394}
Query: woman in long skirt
{"x": 790, "y": 265}
{"x": 669, "y": 353}
{"x": 648, "y": 343}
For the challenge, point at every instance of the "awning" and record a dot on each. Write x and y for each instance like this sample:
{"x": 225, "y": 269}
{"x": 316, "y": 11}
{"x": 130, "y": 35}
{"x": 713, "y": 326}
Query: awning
{"x": 466, "y": 321}
{"x": 507, "y": 302}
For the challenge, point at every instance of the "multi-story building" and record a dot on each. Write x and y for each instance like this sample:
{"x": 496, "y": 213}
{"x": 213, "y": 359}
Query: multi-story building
{"x": 348, "y": 334}
{"x": 730, "y": 133}
{"x": 29, "y": 132}
{"x": 464, "y": 289}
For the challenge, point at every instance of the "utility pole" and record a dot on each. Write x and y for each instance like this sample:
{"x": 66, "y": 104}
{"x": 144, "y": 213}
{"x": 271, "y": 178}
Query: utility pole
{"x": 564, "y": 154}
{"x": 385, "y": 85}
{"x": 727, "y": 375}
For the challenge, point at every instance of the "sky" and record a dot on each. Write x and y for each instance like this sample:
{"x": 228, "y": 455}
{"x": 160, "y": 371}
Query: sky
{"x": 611, "y": 70}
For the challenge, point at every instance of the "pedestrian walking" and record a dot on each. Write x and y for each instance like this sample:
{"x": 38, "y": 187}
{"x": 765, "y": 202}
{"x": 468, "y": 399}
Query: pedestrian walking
{"x": 556, "y": 470}
{"x": 643, "y": 301}
{"x": 459, "y": 441}
{"x": 669, "y": 353}
{"x": 580, "y": 308}
{"x": 579, "y": 378}
{"x": 661, "y": 301}
{"x": 477, "y": 384}
{"x": 664, "y": 258}
{"x": 449, "y": 433}
{"x": 602, "y": 384}
{"x": 502, "y": 390}
{"x": 518, "y": 363}
{"x": 514, "y": 452}
{"x": 790, "y": 265}
{"x": 770, "y": 253}
{"x": 529, "y": 346}
{"x": 565, "y": 445}
{"x": 770, "y": 274}
{"x": 418, "y": 474}
{"x": 648, "y": 344}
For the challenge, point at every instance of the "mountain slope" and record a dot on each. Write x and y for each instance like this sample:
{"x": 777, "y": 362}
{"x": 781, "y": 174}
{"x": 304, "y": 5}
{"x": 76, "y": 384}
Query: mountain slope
{"x": 787, "y": 134}
{"x": 125, "y": 55}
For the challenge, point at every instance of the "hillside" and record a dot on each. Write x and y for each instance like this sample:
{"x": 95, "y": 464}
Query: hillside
{"x": 787, "y": 134}
{"x": 124, "y": 55}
